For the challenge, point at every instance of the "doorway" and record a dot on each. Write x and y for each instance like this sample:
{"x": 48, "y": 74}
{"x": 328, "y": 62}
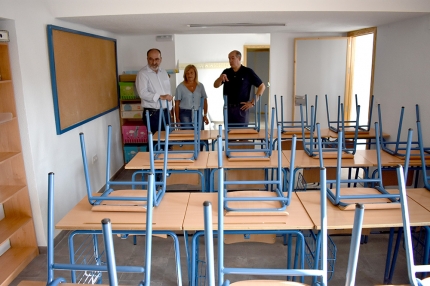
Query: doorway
{"x": 257, "y": 57}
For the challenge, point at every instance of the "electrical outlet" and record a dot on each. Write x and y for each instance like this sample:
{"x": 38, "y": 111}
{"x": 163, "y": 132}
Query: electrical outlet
{"x": 95, "y": 158}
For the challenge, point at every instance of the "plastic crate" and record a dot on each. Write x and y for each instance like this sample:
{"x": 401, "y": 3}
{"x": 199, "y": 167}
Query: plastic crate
{"x": 127, "y": 90}
{"x": 131, "y": 150}
{"x": 134, "y": 133}
{"x": 310, "y": 252}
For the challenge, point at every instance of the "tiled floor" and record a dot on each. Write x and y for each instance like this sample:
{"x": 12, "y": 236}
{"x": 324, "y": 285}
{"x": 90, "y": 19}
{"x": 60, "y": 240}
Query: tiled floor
{"x": 370, "y": 266}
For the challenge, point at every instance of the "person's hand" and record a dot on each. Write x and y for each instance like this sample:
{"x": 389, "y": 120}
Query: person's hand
{"x": 205, "y": 119}
{"x": 223, "y": 77}
{"x": 246, "y": 105}
{"x": 167, "y": 97}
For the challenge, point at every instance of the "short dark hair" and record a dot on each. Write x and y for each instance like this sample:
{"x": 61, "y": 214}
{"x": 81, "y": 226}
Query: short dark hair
{"x": 153, "y": 49}
{"x": 238, "y": 54}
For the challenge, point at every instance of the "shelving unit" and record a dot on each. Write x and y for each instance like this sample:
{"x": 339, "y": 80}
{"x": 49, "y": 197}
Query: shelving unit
{"x": 17, "y": 227}
{"x": 132, "y": 137}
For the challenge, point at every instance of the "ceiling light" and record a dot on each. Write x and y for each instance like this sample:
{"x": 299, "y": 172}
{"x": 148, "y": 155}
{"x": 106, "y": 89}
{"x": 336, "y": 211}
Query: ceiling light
{"x": 236, "y": 25}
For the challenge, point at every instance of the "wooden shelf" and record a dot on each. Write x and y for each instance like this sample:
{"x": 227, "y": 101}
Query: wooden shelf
{"x": 9, "y": 226}
{"x": 16, "y": 228}
{"x": 14, "y": 261}
{"x": 6, "y": 192}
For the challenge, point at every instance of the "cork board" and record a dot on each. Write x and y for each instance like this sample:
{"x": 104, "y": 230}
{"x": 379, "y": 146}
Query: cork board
{"x": 83, "y": 76}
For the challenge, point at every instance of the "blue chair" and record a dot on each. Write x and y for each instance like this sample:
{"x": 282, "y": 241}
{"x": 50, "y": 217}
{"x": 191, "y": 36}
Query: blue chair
{"x": 329, "y": 148}
{"x": 96, "y": 269}
{"x": 277, "y": 197}
{"x": 252, "y": 149}
{"x": 293, "y": 126}
{"x": 413, "y": 269}
{"x": 398, "y": 146}
{"x": 424, "y": 156}
{"x": 252, "y": 127}
{"x": 111, "y": 198}
{"x": 349, "y": 125}
{"x": 376, "y": 192}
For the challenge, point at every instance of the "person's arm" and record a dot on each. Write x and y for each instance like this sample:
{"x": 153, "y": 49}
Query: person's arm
{"x": 259, "y": 93}
{"x": 205, "y": 111}
{"x": 219, "y": 81}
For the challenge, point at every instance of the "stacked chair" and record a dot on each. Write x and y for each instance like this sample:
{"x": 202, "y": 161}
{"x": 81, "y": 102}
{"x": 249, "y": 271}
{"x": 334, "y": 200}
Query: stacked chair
{"x": 383, "y": 198}
{"x": 112, "y": 199}
{"x": 93, "y": 272}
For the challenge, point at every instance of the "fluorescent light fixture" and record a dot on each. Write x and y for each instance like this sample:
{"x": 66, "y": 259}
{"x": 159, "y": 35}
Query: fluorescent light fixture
{"x": 237, "y": 25}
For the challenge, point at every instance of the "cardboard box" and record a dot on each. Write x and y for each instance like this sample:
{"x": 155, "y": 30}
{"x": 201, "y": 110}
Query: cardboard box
{"x": 132, "y": 114}
{"x": 131, "y": 107}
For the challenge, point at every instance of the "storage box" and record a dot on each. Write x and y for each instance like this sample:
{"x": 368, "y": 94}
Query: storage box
{"x": 131, "y": 150}
{"x": 127, "y": 90}
{"x": 127, "y": 77}
{"x": 132, "y": 114}
{"x": 134, "y": 133}
{"x": 131, "y": 107}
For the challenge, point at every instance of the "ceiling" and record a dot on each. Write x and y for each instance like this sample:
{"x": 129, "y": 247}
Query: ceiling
{"x": 302, "y": 21}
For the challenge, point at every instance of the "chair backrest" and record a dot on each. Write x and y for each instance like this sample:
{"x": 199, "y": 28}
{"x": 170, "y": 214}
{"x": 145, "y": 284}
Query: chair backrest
{"x": 278, "y": 181}
{"x": 97, "y": 269}
{"x": 108, "y": 195}
{"x": 412, "y": 268}
{"x": 367, "y": 181}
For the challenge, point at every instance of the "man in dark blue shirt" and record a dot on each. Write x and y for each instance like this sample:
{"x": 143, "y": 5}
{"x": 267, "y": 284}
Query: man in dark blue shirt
{"x": 238, "y": 81}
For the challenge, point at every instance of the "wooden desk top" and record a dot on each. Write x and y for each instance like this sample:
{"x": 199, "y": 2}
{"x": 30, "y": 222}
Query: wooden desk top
{"x": 240, "y": 136}
{"x": 361, "y": 135}
{"x": 204, "y": 135}
{"x": 387, "y": 160}
{"x": 248, "y": 164}
{"x": 344, "y": 219}
{"x": 421, "y": 196}
{"x": 169, "y": 215}
{"x": 303, "y": 160}
{"x": 297, "y": 218}
{"x": 141, "y": 162}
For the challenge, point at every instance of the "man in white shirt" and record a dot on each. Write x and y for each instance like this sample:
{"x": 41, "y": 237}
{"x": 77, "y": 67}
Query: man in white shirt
{"x": 153, "y": 83}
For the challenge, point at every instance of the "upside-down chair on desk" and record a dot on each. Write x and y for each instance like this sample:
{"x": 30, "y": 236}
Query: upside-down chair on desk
{"x": 424, "y": 156}
{"x": 294, "y": 126}
{"x": 348, "y": 125}
{"x": 329, "y": 148}
{"x": 132, "y": 199}
{"x": 268, "y": 201}
{"x": 319, "y": 273}
{"x": 91, "y": 272}
{"x": 375, "y": 197}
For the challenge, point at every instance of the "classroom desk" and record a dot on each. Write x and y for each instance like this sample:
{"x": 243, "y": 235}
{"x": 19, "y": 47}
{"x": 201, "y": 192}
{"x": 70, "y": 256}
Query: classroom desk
{"x": 349, "y": 135}
{"x": 338, "y": 219}
{"x": 194, "y": 221}
{"x": 271, "y": 163}
{"x": 167, "y": 218}
{"x": 141, "y": 162}
{"x": 205, "y": 135}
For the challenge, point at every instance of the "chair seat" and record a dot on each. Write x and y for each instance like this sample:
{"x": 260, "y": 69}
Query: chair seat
{"x": 123, "y": 206}
{"x": 43, "y": 283}
{"x": 265, "y": 283}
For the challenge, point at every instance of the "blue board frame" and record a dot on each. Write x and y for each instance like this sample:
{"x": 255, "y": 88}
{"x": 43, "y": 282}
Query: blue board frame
{"x": 50, "y": 30}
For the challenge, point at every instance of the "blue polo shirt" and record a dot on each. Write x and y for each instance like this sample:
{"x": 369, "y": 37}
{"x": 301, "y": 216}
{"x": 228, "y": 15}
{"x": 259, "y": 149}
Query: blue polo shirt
{"x": 238, "y": 86}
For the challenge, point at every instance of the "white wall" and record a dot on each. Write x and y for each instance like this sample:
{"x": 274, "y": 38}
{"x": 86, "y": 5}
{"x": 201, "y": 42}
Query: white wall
{"x": 44, "y": 151}
{"x": 282, "y": 67}
{"x": 212, "y": 48}
{"x": 402, "y": 74}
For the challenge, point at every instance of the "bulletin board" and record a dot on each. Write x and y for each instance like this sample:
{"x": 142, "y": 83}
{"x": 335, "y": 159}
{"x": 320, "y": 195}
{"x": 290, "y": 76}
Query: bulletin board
{"x": 83, "y": 76}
